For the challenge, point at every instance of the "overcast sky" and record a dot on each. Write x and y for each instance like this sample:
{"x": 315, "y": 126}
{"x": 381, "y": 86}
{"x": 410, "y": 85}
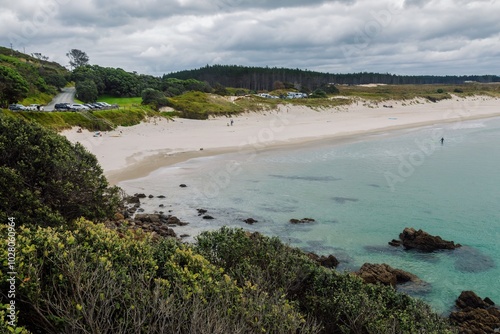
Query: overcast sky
{"x": 436, "y": 37}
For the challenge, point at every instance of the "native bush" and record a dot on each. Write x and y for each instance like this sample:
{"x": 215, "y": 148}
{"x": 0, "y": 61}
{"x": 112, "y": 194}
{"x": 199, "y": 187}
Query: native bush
{"x": 47, "y": 180}
{"x": 341, "y": 303}
{"x": 91, "y": 279}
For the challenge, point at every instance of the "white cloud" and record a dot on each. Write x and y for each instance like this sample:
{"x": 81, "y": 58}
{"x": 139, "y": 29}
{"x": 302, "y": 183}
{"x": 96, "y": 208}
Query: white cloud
{"x": 155, "y": 37}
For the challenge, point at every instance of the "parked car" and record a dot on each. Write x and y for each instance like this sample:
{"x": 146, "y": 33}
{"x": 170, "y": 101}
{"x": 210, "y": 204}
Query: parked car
{"x": 77, "y": 107}
{"x": 16, "y": 107}
{"x": 35, "y": 107}
{"x": 106, "y": 105}
{"x": 61, "y": 106}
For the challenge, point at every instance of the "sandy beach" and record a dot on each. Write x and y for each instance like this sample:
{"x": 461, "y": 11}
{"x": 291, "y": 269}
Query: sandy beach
{"x": 132, "y": 152}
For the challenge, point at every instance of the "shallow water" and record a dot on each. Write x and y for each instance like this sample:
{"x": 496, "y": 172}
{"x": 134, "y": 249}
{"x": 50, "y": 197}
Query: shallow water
{"x": 362, "y": 194}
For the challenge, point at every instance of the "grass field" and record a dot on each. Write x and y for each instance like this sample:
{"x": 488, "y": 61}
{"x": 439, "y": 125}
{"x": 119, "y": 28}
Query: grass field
{"x": 121, "y": 101}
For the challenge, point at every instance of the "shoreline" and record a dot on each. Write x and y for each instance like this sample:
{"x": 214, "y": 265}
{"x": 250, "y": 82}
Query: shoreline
{"x": 123, "y": 156}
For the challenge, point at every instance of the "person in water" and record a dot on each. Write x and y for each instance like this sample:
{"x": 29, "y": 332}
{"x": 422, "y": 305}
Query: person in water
{"x": 442, "y": 140}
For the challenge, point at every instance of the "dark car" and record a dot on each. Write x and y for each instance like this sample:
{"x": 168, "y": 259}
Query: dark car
{"x": 62, "y": 106}
{"x": 15, "y": 107}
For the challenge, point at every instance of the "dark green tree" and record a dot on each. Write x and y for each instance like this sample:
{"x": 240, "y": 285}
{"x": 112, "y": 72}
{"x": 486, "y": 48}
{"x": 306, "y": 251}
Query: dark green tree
{"x": 318, "y": 94}
{"x": 46, "y": 180}
{"x": 154, "y": 97}
{"x": 13, "y": 87}
{"x": 86, "y": 90}
{"x": 77, "y": 58}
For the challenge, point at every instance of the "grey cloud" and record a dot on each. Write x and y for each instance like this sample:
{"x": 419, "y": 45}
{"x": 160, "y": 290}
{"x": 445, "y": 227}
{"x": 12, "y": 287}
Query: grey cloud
{"x": 156, "y": 37}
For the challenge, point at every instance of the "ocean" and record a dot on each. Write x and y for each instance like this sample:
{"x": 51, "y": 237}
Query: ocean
{"x": 361, "y": 193}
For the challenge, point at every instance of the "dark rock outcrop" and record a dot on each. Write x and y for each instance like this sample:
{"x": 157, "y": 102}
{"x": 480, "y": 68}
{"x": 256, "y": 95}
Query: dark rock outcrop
{"x": 182, "y": 185}
{"x": 385, "y": 274}
{"x": 395, "y": 243}
{"x": 208, "y": 217}
{"x": 132, "y": 200}
{"x": 147, "y": 218}
{"x": 412, "y": 239}
{"x": 475, "y": 315}
{"x": 250, "y": 221}
{"x": 329, "y": 261}
{"x": 201, "y": 211}
{"x": 140, "y": 195}
{"x": 302, "y": 221}
{"x": 173, "y": 220}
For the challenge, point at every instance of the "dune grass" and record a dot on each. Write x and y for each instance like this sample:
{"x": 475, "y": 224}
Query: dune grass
{"x": 431, "y": 92}
{"x": 200, "y": 105}
{"x": 102, "y": 120}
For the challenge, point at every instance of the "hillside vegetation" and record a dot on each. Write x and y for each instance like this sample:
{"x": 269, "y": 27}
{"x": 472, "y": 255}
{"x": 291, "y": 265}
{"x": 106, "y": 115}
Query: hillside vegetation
{"x": 27, "y": 79}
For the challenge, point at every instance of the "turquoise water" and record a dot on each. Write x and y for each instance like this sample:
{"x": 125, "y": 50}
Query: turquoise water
{"x": 362, "y": 194}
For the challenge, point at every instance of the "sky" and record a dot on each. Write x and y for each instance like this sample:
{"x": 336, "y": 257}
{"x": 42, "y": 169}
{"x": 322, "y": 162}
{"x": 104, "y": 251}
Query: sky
{"x": 408, "y": 37}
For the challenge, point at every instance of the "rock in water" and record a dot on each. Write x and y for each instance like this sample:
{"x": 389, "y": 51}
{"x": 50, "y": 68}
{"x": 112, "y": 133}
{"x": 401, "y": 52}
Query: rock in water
{"x": 423, "y": 241}
{"x": 385, "y": 274}
{"x": 329, "y": 261}
{"x": 250, "y": 221}
{"x": 475, "y": 315}
{"x": 302, "y": 221}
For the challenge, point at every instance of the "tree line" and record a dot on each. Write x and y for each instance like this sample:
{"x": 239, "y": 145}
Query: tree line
{"x": 266, "y": 78}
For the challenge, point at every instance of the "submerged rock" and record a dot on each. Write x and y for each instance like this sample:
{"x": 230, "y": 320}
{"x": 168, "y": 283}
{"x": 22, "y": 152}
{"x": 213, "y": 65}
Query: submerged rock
{"x": 471, "y": 260}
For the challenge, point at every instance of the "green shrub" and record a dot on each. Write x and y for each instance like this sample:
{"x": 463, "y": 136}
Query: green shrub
{"x": 91, "y": 279}
{"x": 46, "y": 180}
{"x": 341, "y": 303}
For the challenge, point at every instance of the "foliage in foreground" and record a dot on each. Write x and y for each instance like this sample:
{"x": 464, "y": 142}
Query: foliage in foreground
{"x": 91, "y": 279}
{"x": 340, "y": 302}
{"x": 96, "y": 280}
{"x": 47, "y": 180}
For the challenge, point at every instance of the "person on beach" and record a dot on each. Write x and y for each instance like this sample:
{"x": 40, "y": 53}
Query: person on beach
{"x": 232, "y": 122}
{"x": 442, "y": 140}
